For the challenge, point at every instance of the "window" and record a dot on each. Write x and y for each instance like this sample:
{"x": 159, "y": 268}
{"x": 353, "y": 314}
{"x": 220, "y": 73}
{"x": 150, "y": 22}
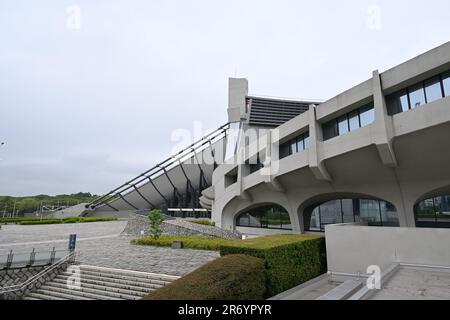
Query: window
{"x": 367, "y": 116}
{"x": 433, "y": 90}
{"x": 352, "y": 121}
{"x": 398, "y": 102}
{"x": 419, "y": 94}
{"x": 446, "y": 83}
{"x": 266, "y": 217}
{"x": 254, "y": 164}
{"x": 294, "y": 145}
{"x": 330, "y": 130}
{"x": 343, "y": 125}
{"x": 374, "y": 212}
{"x": 433, "y": 213}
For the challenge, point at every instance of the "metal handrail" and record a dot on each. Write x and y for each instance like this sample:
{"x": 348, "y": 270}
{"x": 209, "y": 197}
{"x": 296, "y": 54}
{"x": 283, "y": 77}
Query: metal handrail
{"x": 159, "y": 168}
{"x": 38, "y": 276}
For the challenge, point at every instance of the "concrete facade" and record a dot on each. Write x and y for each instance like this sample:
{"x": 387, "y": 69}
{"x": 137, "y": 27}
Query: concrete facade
{"x": 402, "y": 159}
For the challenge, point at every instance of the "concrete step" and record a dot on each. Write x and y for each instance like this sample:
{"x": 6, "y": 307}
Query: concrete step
{"x": 89, "y": 293}
{"x": 109, "y": 291}
{"x": 138, "y": 274}
{"x": 98, "y": 283}
{"x": 56, "y": 295}
{"x": 343, "y": 291}
{"x": 39, "y": 296}
{"x": 152, "y": 284}
{"x": 135, "y": 287}
{"x": 120, "y": 277}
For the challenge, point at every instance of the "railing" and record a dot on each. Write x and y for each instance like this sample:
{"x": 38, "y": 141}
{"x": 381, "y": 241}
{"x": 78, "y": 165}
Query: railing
{"x": 162, "y": 167}
{"x": 68, "y": 258}
{"x": 32, "y": 259}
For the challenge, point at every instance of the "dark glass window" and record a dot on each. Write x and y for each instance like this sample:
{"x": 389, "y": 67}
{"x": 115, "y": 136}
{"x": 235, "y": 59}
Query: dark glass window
{"x": 306, "y": 141}
{"x": 354, "y": 120}
{"x": 417, "y": 96}
{"x": 330, "y": 130}
{"x": 433, "y": 213}
{"x": 397, "y": 102}
{"x": 343, "y": 125}
{"x": 285, "y": 150}
{"x": 446, "y": 83}
{"x": 367, "y": 116}
{"x": 294, "y": 145}
{"x": 374, "y": 212}
{"x": 254, "y": 167}
{"x": 433, "y": 89}
{"x": 266, "y": 217}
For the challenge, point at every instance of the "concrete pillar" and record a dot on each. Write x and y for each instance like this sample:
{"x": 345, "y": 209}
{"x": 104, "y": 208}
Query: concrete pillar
{"x": 237, "y": 93}
{"x": 384, "y": 128}
{"x": 316, "y": 140}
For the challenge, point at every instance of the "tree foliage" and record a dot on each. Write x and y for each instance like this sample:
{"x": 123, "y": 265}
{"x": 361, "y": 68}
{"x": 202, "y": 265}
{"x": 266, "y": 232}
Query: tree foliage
{"x": 156, "y": 218}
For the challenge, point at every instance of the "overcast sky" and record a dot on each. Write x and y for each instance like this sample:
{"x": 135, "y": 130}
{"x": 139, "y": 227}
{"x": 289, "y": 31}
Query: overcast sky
{"x": 85, "y": 109}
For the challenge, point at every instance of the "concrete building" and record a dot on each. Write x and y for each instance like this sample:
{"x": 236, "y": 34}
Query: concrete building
{"x": 376, "y": 153}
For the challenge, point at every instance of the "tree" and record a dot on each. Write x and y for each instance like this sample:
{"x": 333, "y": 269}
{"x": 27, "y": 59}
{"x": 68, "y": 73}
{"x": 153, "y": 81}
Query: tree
{"x": 156, "y": 218}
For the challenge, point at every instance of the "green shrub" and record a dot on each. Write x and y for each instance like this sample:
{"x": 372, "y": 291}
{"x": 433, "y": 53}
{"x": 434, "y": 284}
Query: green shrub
{"x": 233, "y": 277}
{"x": 155, "y": 218}
{"x": 190, "y": 242}
{"x": 290, "y": 260}
{"x": 203, "y": 222}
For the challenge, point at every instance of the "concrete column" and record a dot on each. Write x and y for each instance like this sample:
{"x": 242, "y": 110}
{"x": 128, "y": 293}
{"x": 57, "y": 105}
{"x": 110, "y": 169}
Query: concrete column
{"x": 316, "y": 140}
{"x": 237, "y": 93}
{"x": 384, "y": 128}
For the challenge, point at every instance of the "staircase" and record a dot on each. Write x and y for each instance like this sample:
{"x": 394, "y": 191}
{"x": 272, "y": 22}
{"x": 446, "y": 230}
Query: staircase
{"x": 97, "y": 283}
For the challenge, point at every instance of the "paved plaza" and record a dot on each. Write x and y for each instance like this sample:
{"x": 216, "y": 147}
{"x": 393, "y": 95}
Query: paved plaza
{"x": 100, "y": 244}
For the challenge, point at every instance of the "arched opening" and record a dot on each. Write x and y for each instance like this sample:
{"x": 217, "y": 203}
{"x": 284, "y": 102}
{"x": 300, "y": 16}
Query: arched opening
{"x": 270, "y": 216}
{"x": 374, "y": 212}
{"x": 433, "y": 212}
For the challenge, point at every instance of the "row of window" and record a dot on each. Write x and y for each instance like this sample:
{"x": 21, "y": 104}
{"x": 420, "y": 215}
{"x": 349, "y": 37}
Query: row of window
{"x": 419, "y": 94}
{"x": 433, "y": 213}
{"x": 374, "y": 212}
{"x": 351, "y": 121}
{"x": 294, "y": 145}
{"x": 414, "y": 96}
{"x": 267, "y": 217}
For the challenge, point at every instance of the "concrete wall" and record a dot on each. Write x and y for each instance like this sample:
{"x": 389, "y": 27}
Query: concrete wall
{"x": 351, "y": 249}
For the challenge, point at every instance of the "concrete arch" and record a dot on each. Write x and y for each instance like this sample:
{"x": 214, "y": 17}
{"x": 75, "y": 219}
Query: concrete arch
{"x": 236, "y": 206}
{"x": 325, "y": 197}
{"x": 442, "y": 191}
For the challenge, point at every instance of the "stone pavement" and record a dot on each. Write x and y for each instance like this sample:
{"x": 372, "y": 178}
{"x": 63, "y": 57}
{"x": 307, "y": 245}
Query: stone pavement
{"x": 100, "y": 244}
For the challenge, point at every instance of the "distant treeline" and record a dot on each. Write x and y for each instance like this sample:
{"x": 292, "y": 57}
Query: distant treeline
{"x": 33, "y": 203}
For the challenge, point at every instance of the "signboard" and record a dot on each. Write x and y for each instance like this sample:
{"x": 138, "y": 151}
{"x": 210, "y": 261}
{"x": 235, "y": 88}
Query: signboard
{"x": 72, "y": 241}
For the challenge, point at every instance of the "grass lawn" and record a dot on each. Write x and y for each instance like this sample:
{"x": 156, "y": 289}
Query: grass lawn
{"x": 206, "y": 243}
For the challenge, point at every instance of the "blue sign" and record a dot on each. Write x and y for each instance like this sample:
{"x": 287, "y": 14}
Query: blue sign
{"x": 72, "y": 241}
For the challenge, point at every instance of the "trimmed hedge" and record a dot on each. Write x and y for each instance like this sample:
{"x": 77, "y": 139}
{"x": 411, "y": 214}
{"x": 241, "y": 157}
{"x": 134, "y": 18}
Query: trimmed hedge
{"x": 203, "y": 222}
{"x": 190, "y": 242}
{"x": 233, "y": 277}
{"x": 287, "y": 264}
{"x": 65, "y": 220}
